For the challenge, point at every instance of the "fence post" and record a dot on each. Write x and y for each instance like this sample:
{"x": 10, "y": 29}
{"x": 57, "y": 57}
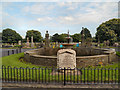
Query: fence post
{"x": 16, "y": 51}
{"x": 20, "y": 50}
{"x": 64, "y": 77}
{"x": 8, "y": 53}
{"x": 12, "y": 51}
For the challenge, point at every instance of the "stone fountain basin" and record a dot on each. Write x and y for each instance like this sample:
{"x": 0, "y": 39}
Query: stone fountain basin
{"x": 85, "y": 56}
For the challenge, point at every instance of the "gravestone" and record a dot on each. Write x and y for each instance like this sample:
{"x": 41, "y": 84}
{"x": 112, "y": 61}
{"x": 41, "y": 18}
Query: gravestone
{"x": 66, "y": 58}
{"x": 32, "y": 43}
{"x": 105, "y": 43}
{"x": 28, "y": 42}
{"x": 19, "y": 42}
{"x": 47, "y": 39}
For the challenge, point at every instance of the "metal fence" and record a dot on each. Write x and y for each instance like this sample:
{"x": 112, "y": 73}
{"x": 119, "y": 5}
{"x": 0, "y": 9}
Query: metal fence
{"x": 60, "y": 76}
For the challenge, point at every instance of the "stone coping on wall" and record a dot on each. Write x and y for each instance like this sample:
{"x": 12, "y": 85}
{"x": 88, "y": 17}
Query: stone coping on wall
{"x": 78, "y": 57}
{"x": 45, "y": 56}
{"x": 95, "y": 56}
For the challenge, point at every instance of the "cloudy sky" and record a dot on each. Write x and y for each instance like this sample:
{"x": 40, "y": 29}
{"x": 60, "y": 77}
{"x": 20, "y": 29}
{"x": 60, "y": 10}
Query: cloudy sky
{"x": 56, "y": 17}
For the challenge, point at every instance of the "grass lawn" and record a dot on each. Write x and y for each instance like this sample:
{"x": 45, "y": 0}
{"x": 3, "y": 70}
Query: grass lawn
{"x": 44, "y": 74}
{"x": 13, "y": 61}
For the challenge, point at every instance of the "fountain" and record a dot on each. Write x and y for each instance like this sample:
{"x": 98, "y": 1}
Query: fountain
{"x": 68, "y": 44}
{"x": 81, "y": 56}
{"x": 66, "y": 57}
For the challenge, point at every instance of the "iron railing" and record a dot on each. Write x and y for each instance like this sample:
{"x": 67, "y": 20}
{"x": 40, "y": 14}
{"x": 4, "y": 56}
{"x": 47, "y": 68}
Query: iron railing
{"x": 60, "y": 76}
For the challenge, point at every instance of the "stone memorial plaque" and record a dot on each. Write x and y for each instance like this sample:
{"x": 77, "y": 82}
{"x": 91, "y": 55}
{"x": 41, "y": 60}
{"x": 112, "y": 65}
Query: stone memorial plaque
{"x": 66, "y": 58}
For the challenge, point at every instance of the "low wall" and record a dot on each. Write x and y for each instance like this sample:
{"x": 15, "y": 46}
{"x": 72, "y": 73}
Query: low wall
{"x": 92, "y": 60}
{"x": 81, "y": 61}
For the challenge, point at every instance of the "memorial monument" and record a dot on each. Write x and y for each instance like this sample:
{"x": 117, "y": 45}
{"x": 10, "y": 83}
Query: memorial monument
{"x": 83, "y": 38}
{"x": 32, "y": 43}
{"x": 19, "y": 42}
{"x": 47, "y": 39}
{"x": 28, "y": 44}
{"x": 66, "y": 57}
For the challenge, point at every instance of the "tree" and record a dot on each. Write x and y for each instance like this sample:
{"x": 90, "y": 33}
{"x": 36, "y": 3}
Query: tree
{"x": 76, "y": 37}
{"x": 55, "y": 37}
{"x": 86, "y": 33}
{"x": 10, "y": 36}
{"x": 106, "y": 27}
{"x": 59, "y": 38}
{"x": 104, "y": 35}
{"x": 36, "y": 35}
{"x": 94, "y": 39}
{"x": 109, "y": 31}
{"x": 62, "y": 37}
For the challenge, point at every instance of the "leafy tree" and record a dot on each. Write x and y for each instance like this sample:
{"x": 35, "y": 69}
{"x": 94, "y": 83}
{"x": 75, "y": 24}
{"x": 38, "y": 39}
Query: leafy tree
{"x": 111, "y": 27}
{"x": 86, "y": 33}
{"x": 10, "y": 36}
{"x": 59, "y": 38}
{"x": 93, "y": 39}
{"x": 76, "y": 37}
{"x": 104, "y": 35}
{"x": 62, "y": 38}
{"x": 55, "y": 37}
{"x": 36, "y": 35}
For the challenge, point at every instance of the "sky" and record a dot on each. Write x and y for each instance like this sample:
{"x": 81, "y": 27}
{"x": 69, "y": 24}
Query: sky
{"x": 56, "y": 17}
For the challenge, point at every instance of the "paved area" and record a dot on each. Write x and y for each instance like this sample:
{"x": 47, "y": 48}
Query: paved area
{"x": 20, "y": 85}
{"x": 58, "y": 89}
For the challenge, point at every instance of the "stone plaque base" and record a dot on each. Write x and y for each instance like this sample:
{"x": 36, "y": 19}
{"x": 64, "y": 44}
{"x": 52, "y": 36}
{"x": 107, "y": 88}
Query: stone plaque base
{"x": 67, "y": 72}
{"x": 66, "y": 58}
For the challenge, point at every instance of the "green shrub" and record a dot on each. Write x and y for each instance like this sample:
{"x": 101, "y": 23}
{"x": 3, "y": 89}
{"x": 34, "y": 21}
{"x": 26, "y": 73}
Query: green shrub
{"x": 118, "y": 53}
{"x": 18, "y": 46}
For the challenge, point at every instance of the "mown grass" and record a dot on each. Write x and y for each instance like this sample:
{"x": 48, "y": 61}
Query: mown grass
{"x": 13, "y": 61}
{"x": 118, "y": 54}
{"x": 22, "y": 71}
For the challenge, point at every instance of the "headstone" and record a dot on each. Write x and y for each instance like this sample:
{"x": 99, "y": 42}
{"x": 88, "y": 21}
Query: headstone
{"x": 32, "y": 43}
{"x": 116, "y": 44}
{"x": 105, "y": 43}
{"x": 66, "y": 58}
{"x": 28, "y": 42}
{"x": 46, "y": 39}
{"x": 19, "y": 42}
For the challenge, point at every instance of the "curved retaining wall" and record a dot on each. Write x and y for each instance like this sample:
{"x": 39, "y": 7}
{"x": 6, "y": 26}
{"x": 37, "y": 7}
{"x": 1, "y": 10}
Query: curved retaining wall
{"x": 81, "y": 61}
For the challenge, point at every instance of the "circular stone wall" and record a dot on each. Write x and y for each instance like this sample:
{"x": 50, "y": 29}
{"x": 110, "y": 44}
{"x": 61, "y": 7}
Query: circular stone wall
{"x": 85, "y": 56}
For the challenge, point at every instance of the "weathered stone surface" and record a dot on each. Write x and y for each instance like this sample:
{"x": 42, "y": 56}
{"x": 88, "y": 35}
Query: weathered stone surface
{"x": 19, "y": 42}
{"x": 66, "y": 58}
{"x": 32, "y": 43}
{"x": 47, "y": 57}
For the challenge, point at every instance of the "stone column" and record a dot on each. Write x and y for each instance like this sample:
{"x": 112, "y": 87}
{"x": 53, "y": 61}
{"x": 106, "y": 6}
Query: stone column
{"x": 28, "y": 42}
{"x": 83, "y": 38}
{"x": 46, "y": 39}
{"x": 32, "y": 43}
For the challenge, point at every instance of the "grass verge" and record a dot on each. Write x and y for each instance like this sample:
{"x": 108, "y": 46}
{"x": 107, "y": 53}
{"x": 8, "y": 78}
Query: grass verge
{"x": 13, "y": 61}
{"x": 100, "y": 73}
